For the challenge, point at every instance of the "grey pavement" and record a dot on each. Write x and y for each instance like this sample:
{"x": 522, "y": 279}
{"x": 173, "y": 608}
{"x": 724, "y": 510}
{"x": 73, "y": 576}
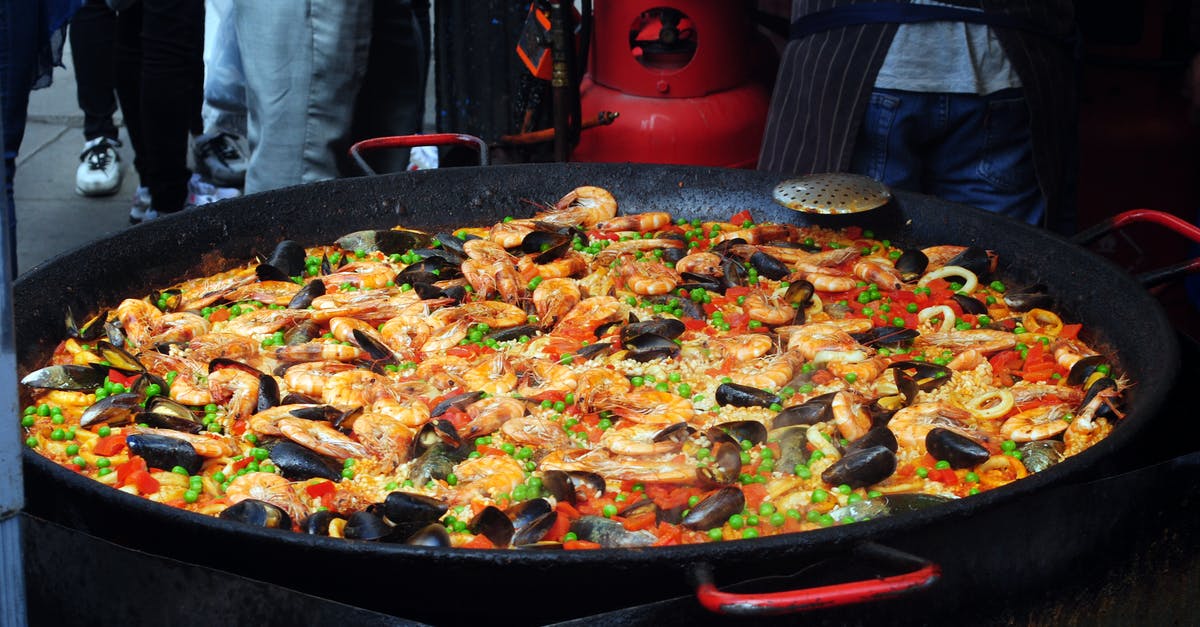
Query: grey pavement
{"x": 51, "y": 217}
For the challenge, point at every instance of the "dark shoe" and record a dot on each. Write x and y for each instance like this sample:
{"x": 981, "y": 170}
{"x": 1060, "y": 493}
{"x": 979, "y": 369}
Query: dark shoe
{"x": 220, "y": 159}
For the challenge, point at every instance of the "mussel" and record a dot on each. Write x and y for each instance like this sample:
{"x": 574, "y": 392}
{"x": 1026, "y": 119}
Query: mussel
{"x": 810, "y": 412}
{"x": 317, "y": 523}
{"x": 66, "y": 377}
{"x": 298, "y": 463}
{"x": 744, "y": 396}
{"x": 165, "y": 413}
{"x": 885, "y": 336}
{"x": 573, "y": 485}
{"x": 1041, "y": 454}
{"x": 649, "y": 346}
{"x": 744, "y": 431}
{"x": 164, "y": 452}
{"x": 610, "y": 533}
{"x": 862, "y": 467}
{"x": 257, "y": 513}
{"x": 531, "y": 520}
{"x": 117, "y": 409}
{"x": 433, "y": 534}
{"x": 288, "y": 257}
{"x": 769, "y": 266}
{"x": 512, "y": 333}
{"x": 668, "y": 328}
{"x": 1026, "y": 298}
{"x": 714, "y": 510}
{"x": 546, "y": 245}
{"x": 305, "y": 296}
{"x": 970, "y": 304}
{"x": 365, "y": 525}
{"x": 402, "y": 507}
{"x": 458, "y": 401}
{"x": 494, "y": 525}
{"x": 1082, "y": 369}
{"x": 926, "y": 375}
{"x": 877, "y": 436}
{"x": 977, "y": 260}
{"x": 726, "y": 464}
{"x": 912, "y": 264}
{"x": 388, "y": 242}
{"x": 91, "y": 329}
{"x": 956, "y": 448}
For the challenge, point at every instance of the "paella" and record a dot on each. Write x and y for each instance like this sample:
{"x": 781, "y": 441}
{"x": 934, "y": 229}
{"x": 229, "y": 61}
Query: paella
{"x": 576, "y": 379}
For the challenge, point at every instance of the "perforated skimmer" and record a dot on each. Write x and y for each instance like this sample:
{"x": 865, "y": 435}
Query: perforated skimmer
{"x": 833, "y": 192}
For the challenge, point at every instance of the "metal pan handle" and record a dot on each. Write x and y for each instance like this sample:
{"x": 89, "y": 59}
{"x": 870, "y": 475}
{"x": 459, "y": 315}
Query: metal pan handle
{"x": 1171, "y": 222}
{"x": 412, "y": 141}
{"x": 920, "y": 574}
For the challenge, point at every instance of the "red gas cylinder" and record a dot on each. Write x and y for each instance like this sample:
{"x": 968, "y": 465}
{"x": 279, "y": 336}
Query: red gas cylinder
{"x": 679, "y": 74}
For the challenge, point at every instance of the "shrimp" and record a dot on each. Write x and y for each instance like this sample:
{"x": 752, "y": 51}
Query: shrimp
{"x": 197, "y": 293}
{"x": 553, "y": 298}
{"x": 319, "y": 350}
{"x": 632, "y": 247}
{"x": 182, "y": 326}
{"x": 209, "y": 346}
{"x": 410, "y": 413}
{"x": 551, "y": 347}
{"x": 262, "y": 322}
{"x": 649, "y": 221}
{"x": 762, "y": 234}
{"x": 510, "y": 234}
{"x": 539, "y": 432}
{"x": 595, "y": 384}
{"x": 539, "y": 376}
{"x": 442, "y": 371}
{"x": 355, "y": 388}
{"x": 708, "y": 264}
{"x": 744, "y": 347}
{"x": 487, "y": 476}
{"x": 447, "y": 337}
{"x": 384, "y": 437}
{"x": 139, "y": 319}
{"x": 494, "y": 314}
{"x": 768, "y": 309}
{"x": 310, "y": 378}
{"x": 1067, "y": 352}
{"x": 320, "y": 437}
{"x": 405, "y": 334}
{"x": 590, "y": 313}
{"x": 1038, "y": 423}
{"x": 584, "y": 206}
{"x": 864, "y": 371}
{"x": 364, "y": 275}
{"x": 208, "y": 445}
{"x": 983, "y": 340}
{"x": 850, "y": 414}
{"x": 647, "y": 278}
{"x": 822, "y": 342}
{"x": 187, "y": 387}
{"x": 649, "y": 406}
{"x": 343, "y": 329}
{"x": 674, "y": 468}
{"x": 492, "y": 374}
{"x": 489, "y": 414}
{"x": 825, "y": 282}
{"x": 268, "y": 292}
{"x": 911, "y": 424}
{"x": 1086, "y": 428}
{"x": 235, "y": 389}
{"x": 266, "y": 422}
{"x": 488, "y": 278}
{"x": 878, "y": 271}
{"x": 769, "y": 373}
{"x": 486, "y": 251}
{"x": 568, "y": 265}
{"x": 269, "y": 488}
{"x": 638, "y": 440}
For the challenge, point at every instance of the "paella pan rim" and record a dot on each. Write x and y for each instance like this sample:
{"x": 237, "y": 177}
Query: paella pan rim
{"x": 393, "y": 199}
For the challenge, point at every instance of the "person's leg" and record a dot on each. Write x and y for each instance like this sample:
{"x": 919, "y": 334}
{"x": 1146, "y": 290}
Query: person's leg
{"x": 308, "y": 62}
{"x": 93, "y": 35}
{"x": 127, "y": 77}
{"x": 18, "y": 47}
{"x": 985, "y": 158}
{"x": 172, "y": 44}
{"x": 888, "y": 145}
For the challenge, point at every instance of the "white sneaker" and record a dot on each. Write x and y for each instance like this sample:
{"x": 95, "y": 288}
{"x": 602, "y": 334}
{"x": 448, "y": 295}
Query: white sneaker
{"x": 99, "y": 174}
{"x": 141, "y": 209}
{"x": 201, "y": 192}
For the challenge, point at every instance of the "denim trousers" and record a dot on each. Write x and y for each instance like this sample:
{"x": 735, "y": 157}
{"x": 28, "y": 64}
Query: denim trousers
{"x": 966, "y": 148}
{"x": 18, "y": 47}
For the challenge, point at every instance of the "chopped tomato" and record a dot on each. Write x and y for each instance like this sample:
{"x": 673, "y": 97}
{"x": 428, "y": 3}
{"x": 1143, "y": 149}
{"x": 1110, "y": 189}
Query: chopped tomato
{"x": 668, "y": 535}
{"x": 479, "y": 542}
{"x": 146, "y": 484}
{"x": 239, "y": 427}
{"x": 561, "y": 526}
{"x": 754, "y": 493}
{"x": 667, "y": 496}
{"x": 947, "y": 476}
{"x": 318, "y": 490}
{"x": 853, "y": 232}
{"x": 693, "y": 324}
{"x": 220, "y": 315}
{"x": 739, "y": 290}
{"x": 465, "y": 351}
{"x": 642, "y": 521}
{"x": 822, "y": 377}
{"x": 566, "y": 510}
{"x": 1070, "y": 331}
{"x": 489, "y": 450}
{"x": 242, "y": 463}
{"x": 109, "y": 445}
{"x": 134, "y": 464}
{"x": 127, "y": 380}
{"x": 578, "y": 545}
{"x": 740, "y": 217}
{"x": 456, "y": 417}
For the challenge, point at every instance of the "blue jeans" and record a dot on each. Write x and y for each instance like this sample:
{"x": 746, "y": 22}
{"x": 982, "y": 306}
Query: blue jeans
{"x": 976, "y": 150}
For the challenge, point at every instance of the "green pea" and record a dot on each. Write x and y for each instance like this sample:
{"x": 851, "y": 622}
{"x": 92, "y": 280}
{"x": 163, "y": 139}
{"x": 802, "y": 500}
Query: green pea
{"x": 609, "y": 510}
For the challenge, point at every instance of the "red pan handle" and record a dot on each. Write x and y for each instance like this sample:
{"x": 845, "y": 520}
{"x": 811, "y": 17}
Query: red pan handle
{"x": 920, "y": 574}
{"x": 412, "y": 141}
{"x": 1169, "y": 221}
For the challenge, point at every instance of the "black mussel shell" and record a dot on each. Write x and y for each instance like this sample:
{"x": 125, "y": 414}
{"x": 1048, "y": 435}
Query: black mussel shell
{"x": 912, "y": 264}
{"x": 610, "y": 533}
{"x": 436, "y": 462}
{"x": 317, "y": 523}
{"x": 722, "y": 248}
{"x": 975, "y": 259}
{"x": 66, "y": 377}
{"x": 296, "y": 398}
{"x": 640, "y": 507}
{"x": 531, "y": 520}
{"x": 456, "y": 293}
{"x": 427, "y": 271}
{"x": 513, "y": 333}
{"x": 745, "y": 430}
{"x": 313, "y": 410}
{"x": 926, "y": 375}
{"x": 673, "y": 255}
{"x": 268, "y": 392}
{"x": 695, "y": 281}
{"x": 444, "y": 254}
{"x": 118, "y": 358}
{"x": 970, "y": 304}
{"x": 305, "y": 296}
{"x": 92, "y": 329}
{"x": 298, "y": 463}
{"x": 168, "y": 421}
{"x": 768, "y": 266}
{"x": 1032, "y": 297}
{"x": 687, "y": 306}
{"x": 735, "y": 274}
{"x": 810, "y": 412}
{"x": 368, "y": 526}
{"x": 494, "y": 525}
{"x": 744, "y": 396}
{"x": 545, "y": 245}
{"x": 1082, "y": 369}
{"x": 669, "y": 328}
{"x": 1039, "y": 455}
{"x": 257, "y": 513}
{"x": 861, "y": 468}
{"x": 877, "y": 436}
{"x": 913, "y": 502}
{"x": 885, "y": 336}
{"x": 117, "y": 409}
{"x": 573, "y": 485}
{"x": 678, "y": 433}
{"x": 433, "y": 433}
{"x": 168, "y": 300}
{"x": 224, "y": 362}
{"x": 883, "y": 408}
{"x": 428, "y": 291}
{"x": 388, "y": 242}
{"x": 726, "y": 466}
{"x": 301, "y": 333}
{"x": 459, "y": 401}
{"x": 649, "y": 346}
{"x": 714, "y": 510}
{"x": 1105, "y": 409}
{"x": 956, "y": 448}
{"x": 450, "y": 242}
{"x": 288, "y": 257}
{"x": 375, "y": 348}
{"x": 406, "y": 507}
{"x": 592, "y": 350}
{"x": 164, "y": 452}
{"x": 433, "y": 534}
{"x": 799, "y": 293}
{"x": 268, "y": 272}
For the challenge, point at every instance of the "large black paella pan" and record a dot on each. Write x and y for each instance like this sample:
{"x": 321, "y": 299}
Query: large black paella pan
{"x": 431, "y": 584}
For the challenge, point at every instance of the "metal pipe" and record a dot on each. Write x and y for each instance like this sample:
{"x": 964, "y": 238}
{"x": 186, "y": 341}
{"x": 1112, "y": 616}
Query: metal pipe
{"x": 560, "y": 78}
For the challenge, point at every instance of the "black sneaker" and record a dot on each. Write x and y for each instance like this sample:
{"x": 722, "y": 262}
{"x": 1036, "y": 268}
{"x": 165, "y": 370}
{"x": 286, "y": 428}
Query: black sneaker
{"x": 220, "y": 159}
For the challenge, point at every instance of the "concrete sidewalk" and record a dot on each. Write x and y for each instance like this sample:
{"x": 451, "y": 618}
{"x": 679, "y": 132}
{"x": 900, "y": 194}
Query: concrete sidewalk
{"x": 51, "y": 217}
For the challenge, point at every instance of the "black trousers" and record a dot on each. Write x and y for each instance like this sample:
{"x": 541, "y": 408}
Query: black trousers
{"x": 160, "y": 84}
{"x": 93, "y": 35}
